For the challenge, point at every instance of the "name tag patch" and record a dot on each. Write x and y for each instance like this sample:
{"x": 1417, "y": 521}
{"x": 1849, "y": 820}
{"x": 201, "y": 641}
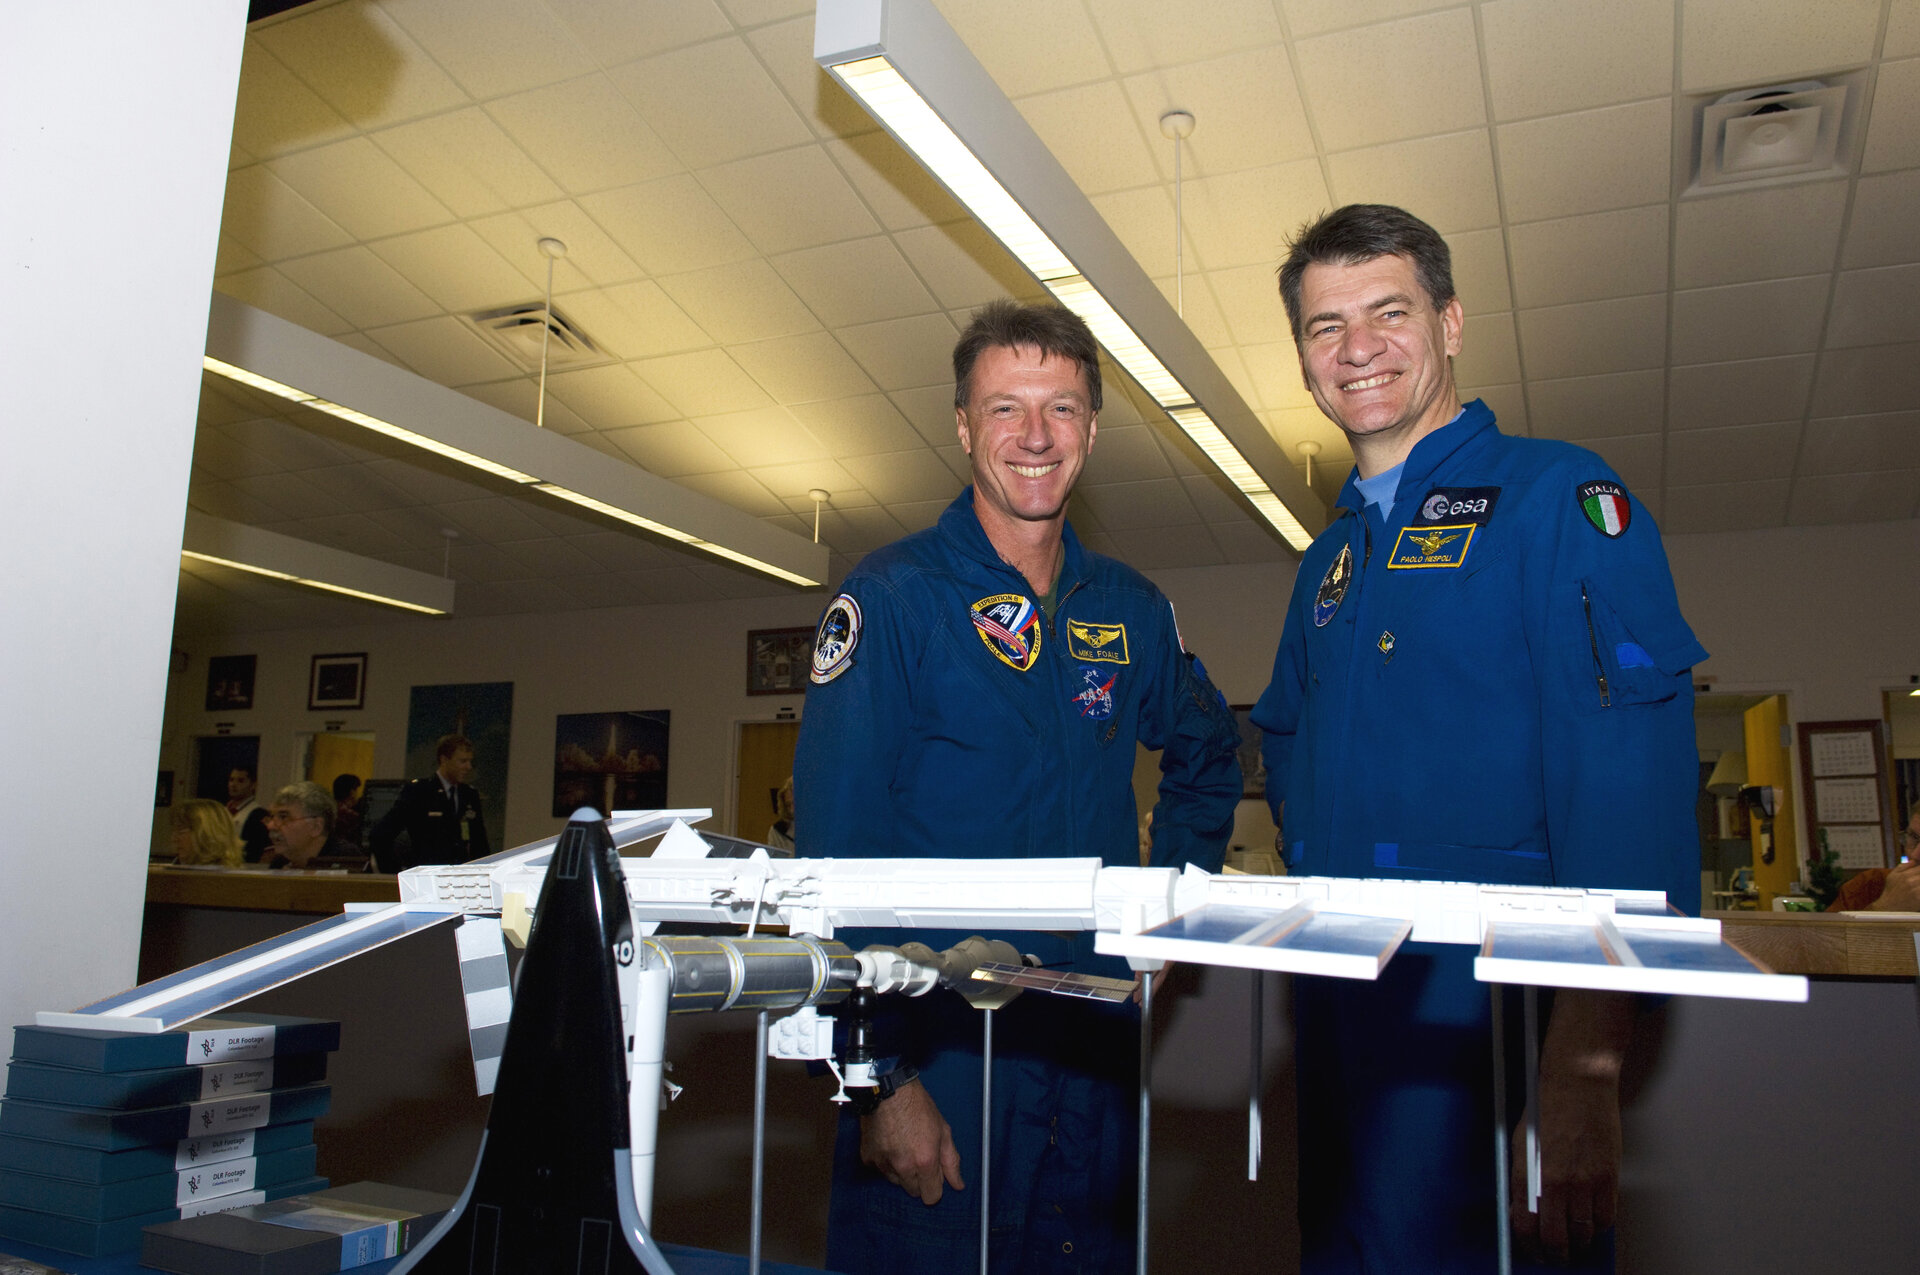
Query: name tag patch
{"x": 1010, "y": 626}
{"x": 1423, "y": 547}
{"x": 1101, "y": 643}
{"x": 1457, "y": 505}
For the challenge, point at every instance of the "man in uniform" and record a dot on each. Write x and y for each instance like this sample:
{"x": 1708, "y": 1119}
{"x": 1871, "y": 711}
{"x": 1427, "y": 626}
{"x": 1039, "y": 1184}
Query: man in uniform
{"x": 977, "y": 690}
{"x": 249, "y": 820}
{"x": 1484, "y": 676}
{"x": 440, "y": 815}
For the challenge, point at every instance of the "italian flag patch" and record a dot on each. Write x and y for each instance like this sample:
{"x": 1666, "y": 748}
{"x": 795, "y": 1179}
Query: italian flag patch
{"x": 1606, "y": 507}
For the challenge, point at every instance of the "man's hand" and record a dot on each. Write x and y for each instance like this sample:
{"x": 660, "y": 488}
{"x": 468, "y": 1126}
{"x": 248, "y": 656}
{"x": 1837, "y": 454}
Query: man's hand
{"x": 907, "y": 1141}
{"x": 1901, "y": 892}
{"x": 1579, "y": 1129}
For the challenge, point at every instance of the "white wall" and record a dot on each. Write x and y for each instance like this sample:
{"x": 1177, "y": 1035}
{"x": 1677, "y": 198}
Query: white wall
{"x": 114, "y": 120}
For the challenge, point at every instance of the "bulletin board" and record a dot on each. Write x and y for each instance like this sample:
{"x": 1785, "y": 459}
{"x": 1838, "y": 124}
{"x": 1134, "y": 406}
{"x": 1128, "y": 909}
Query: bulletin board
{"x": 1843, "y": 773}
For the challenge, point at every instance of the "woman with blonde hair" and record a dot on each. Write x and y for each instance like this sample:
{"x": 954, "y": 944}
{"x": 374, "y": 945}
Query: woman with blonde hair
{"x": 203, "y": 833}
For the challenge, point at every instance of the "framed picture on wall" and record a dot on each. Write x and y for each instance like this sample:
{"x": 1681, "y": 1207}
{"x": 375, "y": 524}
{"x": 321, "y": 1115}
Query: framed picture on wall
{"x": 778, "y": 660}
{"x": 230, "y": 682}
{"x": 1253, "y": 771}
{"x": 338, "y": 681}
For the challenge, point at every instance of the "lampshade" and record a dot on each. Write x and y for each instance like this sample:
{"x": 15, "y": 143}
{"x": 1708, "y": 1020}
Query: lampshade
{"x": 1729, "y": 774}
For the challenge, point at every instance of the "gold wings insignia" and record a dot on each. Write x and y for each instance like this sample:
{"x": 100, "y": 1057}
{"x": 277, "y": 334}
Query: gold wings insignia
{"x": 1098, "y": 637}
{"x": 1431, "y": 542}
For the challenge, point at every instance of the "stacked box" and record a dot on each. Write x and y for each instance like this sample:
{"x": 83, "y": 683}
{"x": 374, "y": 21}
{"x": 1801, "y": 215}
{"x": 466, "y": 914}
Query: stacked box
{"x": 103, "y": 1133}
{"x": 314, "y": 1234}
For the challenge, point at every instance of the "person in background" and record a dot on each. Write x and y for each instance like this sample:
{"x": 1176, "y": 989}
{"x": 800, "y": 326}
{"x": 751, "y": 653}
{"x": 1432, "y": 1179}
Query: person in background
{"x": 249, "y": 820}
{"x": 780, "y": 835}
{"x": 201, "y": 831}
{"x": 440, "y": 815}
{"x": 346, "y": 814}
{"x": 300, "y": 821}
{"x": 1895, "y": 889}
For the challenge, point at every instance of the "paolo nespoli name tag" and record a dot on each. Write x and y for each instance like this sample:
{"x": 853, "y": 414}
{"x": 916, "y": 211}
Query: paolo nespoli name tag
{"x": 1419, "y": 547}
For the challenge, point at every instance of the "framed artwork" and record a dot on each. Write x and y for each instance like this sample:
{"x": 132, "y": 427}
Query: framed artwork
{"x": 230, "y": 682}
{"x": 338, "y": 681}
{"x": 610, "y": 761}
{"x": 1253, "y": 771}
{"x": 778, "y": 660}
{"x": 483, "y": 712}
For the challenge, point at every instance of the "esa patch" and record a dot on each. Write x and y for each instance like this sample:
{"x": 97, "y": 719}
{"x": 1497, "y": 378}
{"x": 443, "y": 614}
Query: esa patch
{"x": 1101, "y": 643}
{"x": 1606, "y": 507}
{"x": 1010, "y": 626}
{"x": 1457, "y": 504}
{"x": 1422, "y": 547}
{"x": 833, "y": 644}
{"x": 1095, "y": 700}
{"x": 1333, "y": 587}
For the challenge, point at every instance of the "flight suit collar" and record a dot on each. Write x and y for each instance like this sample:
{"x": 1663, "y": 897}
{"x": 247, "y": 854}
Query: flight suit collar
{"x": 1429, "y": 454}
{"x": 961, "y": 529}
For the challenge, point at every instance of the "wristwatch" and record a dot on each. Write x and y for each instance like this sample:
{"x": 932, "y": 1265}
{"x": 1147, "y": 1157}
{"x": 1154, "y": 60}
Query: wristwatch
{"x": 867, "y": 1101}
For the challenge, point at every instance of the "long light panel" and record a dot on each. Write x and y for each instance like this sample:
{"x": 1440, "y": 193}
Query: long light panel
{"x": 265, "y": 353}
{"x": 898, "y": 58}
{"x": 268, "y": 553}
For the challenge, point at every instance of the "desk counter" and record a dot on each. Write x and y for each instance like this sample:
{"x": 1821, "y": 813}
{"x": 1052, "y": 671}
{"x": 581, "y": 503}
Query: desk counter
{"x": 1871, "y": 944}
{"x": 264, "y": 890}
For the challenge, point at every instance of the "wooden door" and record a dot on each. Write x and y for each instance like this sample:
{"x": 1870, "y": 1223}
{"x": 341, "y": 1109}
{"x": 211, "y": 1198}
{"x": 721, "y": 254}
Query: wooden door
{"x": 764, "y": 763}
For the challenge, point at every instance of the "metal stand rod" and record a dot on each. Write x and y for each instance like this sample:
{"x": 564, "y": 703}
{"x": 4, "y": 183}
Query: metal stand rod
{"x": 759, "y": 1142}
{"x": 1146, "y": 1111}
{"x": 1254, "y": 1078}
{"x": 986, "y": 1135}
{"x": 1530, "y": 1000}
{"x": 1503, "y": 1219}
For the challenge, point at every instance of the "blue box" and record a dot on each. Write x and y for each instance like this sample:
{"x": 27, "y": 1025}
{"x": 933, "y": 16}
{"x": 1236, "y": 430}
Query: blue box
{"x": 99, "y": 1239}
{"x": 205, "y": 1040}
{"x": 144, "y": 1126}
{"x": 160, "y": 1086}
{"x": 163, "y": 1191}
{"x": 91, "y": 1165}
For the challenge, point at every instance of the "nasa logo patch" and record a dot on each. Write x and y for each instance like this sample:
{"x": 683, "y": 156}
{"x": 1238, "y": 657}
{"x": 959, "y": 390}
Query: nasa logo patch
{"x": 1333, "y": 587}
{"x": 1010, "y": 626}
{"x": 833, "y": 645}
{"x": 1095, "y": 700}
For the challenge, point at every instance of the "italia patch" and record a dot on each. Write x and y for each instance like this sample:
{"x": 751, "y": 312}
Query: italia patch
{"x": 1095, "y": 700}
{"x": 1606, "y": 507}
{"x": 1333, "y": 587}
{"x": 1010, "y": 626}
{"x": 1443, "y": 546}
{"x": 1457, "y": 504}
{"x": 833, "y": 645}
{"x": 1100, "y": 643}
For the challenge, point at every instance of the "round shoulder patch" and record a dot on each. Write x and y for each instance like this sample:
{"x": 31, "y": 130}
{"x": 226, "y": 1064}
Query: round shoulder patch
{"x": 833, "y": 645}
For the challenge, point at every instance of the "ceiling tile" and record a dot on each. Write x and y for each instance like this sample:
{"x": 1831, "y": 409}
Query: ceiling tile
{"x": 367, "y": 345}
{"x": 794, "y": 480}
{"x": 1489, "y": 355}
{"x": 1636, "y": 458}
{"x": 867, "y": 425}
{"x": 224, "y": 500}
{"x": 365, "y": 290}
{"x": 1392, "y": 81}
{"x": 1740, "y": 452}
{"x": 1830, "y": 498}
{"x": 616, "y": 33}
{"x": 1595, "y": 336}
{"x": 270, "y": 218}
{"x": 219, "y": 457}
{"x": 1589, "y": 161}
{"x": 273, "y": 292}
{"x": 1884, "y": 230}
{"x": 1092, "y": 131}
{"x": 1197, "y": 308}
{"x": 585, "y": 134}
{"x": 633, "y": 320}
{"x": 1765, "y": 234}
{"x": 1480, "y": 270}
{"x": 611, "y": 396}
{"x": 1166, "y": 548}
{"x": 1736, "y": 43}
{"x": 1737, "y": 506}
{"x": 1310, "y": 17}
{"x": 231, "y": 255}
{"x": 859, "y": 530}
{"x": 1893, "y": 129}
{"x": 592, "y": 255}
{"x": 444, "y": 350}
{"x": 786, "y": 49}
{"x": 802, "y": 369}
{"x": 963, "y": 264}
{"x": 1861, "y": 444}
{"x": 551, "y": 558}
{"x": 856, "y": 282}
{"x": 671, "y": 449}
{"x": 466, "y": 162}
{"x": 365, "y": 66}
{"x": 1249, "y": 303}
{"x": 1548, "y": 56}
{"x": 491, "y": 520}
{"x": 763, "y": 436}
{"x": 1138, "y": 34}
{"x": 493, "y": 46}
{"x": 457, "y": 268}
{"x": 918, "y": 515}
{"x": 1509, "y": 407}
{"x": 293, "y": 498}
{"x": 738, "y": 488}
{"x": 669, "y": 225}
{"x": 360, "y": 189}
{"x": 902, "y": 353}
{"x": 1246, "y": 543}
{"x": 521, "y": 397}
{"x": 704, "y": 383}
{"x": 790, "y": 199}
{"x": 1273, "y": 371}
{"x": 1142, "y": 219}
{"x": 903, "y": 477}
{"x": 744, "y": 301}
{"x": 1245, "y": 105}
{"x": 618, "y": 552}
{"x": 1448, "y": 181}
{"x": 1748, "y": 320}
{"x": 928, "y": 411}
{"x": 1882, "y": 378}
{"x": 712, "y": 102}
{"x": 1591, "y": 258}
{"x": 1903, "y": 30}
{"x": 900, "y": 192}
{"x": 1126, "y": 454}
{"x": 1244, "y": 218}
{"x": 1743, "y": 393}
{"x": 1583, "y": 407}
{"x": 1019, "y": 63}
{"x": 1214, "y": 498}
{"x": 353, "y": 490}
{"x": 275, "y": 112}
{"x": 1156, "y": 502}
{"x": 1874, "y": 307}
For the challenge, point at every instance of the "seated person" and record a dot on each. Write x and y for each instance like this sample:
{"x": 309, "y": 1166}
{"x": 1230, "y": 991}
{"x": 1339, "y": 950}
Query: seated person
{"x": 300, "y": 822}
{"x": 346, "y": 815}
{"x": 780, "y": 832}
{"x": 202, "y": 832}
{"x": 1895, "y": 889}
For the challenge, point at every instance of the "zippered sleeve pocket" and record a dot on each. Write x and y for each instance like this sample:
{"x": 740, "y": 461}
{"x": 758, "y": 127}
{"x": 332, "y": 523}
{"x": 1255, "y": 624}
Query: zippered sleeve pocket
{"x": 1638, "y": 648}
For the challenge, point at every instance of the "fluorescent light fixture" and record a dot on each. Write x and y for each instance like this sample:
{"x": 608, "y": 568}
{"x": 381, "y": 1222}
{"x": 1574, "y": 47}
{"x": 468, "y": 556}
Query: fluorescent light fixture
{"x": 269, "y": 354}
{"x": 278, "y": 557}
{"x": 901, "y": 61}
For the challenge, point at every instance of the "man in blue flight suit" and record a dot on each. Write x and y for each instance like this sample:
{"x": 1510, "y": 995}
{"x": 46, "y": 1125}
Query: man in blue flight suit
{"x": 976, "y": 692}
{"x": 1484, "y": 676}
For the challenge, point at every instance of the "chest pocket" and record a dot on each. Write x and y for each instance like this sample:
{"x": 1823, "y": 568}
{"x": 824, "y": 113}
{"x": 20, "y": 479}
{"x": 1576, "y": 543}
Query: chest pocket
{"x": 1637, "y": 643}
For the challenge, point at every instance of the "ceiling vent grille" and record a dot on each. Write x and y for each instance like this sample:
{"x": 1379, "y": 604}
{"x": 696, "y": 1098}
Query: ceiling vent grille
{"x": 518, "y": 331}
{"x": 1760, "y": 136}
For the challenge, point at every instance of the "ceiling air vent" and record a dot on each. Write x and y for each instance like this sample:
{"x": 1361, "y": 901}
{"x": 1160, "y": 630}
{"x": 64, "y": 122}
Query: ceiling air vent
{"x": 1762, "y": 135}
{"x": 517, "y": 331}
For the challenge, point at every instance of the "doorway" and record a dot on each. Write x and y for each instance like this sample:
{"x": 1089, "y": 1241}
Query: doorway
{"x": 763, "y": 761}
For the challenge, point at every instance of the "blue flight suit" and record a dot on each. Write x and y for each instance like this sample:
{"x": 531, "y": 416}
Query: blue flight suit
{"x": 948, "y": 717}
{"x": 1490, "y": 685}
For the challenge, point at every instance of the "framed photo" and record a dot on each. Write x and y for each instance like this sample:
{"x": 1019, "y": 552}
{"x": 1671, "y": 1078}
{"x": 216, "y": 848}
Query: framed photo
{"x": 610, "y": 761}
{"x": 338, "y": 681}
{"x": 1253, "y": 771}
{"x": 230, "y": 682}
{"x": 778, "y": 660}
